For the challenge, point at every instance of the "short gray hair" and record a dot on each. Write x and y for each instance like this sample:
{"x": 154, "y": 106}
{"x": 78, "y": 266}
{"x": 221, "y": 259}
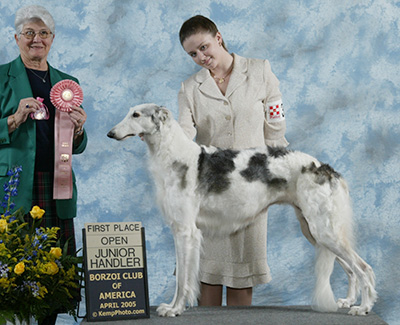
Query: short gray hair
{"x": 31, "y": 13}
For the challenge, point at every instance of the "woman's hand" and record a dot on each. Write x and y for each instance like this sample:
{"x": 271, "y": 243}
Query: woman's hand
{"x": 78, "y": 117}
{"x": 26, "y": 106}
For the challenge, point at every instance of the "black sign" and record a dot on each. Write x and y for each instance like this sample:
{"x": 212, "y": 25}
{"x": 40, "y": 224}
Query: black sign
{"x": 115, "y": 271}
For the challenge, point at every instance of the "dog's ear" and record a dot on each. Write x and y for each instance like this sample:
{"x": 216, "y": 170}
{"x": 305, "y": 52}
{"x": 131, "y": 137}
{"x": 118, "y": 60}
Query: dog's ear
{"x": 160, "y": 115}
{"x": 163, "y": 114}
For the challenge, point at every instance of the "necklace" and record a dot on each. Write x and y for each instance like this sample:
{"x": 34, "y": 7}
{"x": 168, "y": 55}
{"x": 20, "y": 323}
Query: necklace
{"x": 222, "y": 79}
{"x": 43, "y": 79}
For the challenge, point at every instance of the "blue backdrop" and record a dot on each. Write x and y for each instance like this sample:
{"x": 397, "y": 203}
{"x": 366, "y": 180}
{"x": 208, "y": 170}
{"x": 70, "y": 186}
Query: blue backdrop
{"x": 338, "y": 63}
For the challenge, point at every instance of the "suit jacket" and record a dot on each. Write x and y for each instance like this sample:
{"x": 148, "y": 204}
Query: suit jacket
{"x": 19, "y": 147}
{"x": 236, "y": 120}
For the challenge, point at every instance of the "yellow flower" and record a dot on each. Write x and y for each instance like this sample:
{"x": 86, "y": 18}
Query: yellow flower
{"x": 56, "y": 251}
{"x": 4, "y": 282}
{"x": 36, "y": 212}
{"x": 71, "y": 273}
{"x": 19, "y": 268}
{"x": 42, "y": 290}
{"x": 3, "y": 225}
{"x": 50, "y": 268}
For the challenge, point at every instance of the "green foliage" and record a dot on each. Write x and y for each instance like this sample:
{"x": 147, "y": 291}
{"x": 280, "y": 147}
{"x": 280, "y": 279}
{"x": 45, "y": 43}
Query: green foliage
{"x": 36, "y": 275}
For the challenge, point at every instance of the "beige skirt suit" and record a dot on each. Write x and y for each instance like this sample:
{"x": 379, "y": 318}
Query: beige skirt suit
{"x": 236, "y": 120}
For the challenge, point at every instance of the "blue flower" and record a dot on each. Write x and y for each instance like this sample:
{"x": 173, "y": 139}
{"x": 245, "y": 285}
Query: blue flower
{"x": 14, "y": 192}
{"x": 60, "y": 266}
{"x": 3, "y": 270}
{"x": 10, "y": 188}
{"x": 31, "y": 286}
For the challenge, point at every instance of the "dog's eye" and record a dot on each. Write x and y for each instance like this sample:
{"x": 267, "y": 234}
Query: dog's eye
{"x": 135, "y": 114}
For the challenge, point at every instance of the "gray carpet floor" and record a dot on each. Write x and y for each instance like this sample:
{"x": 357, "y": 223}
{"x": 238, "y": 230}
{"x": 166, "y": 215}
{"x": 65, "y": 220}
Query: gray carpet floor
{"x": 279, "y": 315}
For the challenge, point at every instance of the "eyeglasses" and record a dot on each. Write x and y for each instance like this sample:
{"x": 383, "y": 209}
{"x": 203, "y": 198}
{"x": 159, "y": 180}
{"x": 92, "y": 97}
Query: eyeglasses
{"x": 43, "y": 34}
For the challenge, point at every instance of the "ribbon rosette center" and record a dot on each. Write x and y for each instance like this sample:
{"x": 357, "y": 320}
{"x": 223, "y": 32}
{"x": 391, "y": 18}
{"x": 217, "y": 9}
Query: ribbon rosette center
{"x": 65, "y": 94}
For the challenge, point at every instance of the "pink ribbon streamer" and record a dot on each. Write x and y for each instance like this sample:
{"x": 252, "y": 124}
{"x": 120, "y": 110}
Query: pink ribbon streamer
{"x": 63, "y": 140}
{"x": 64, "y": 95}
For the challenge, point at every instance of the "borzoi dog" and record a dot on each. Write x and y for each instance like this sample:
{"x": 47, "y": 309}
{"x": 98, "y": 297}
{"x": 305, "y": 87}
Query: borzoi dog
{"x": 220, "y": 191}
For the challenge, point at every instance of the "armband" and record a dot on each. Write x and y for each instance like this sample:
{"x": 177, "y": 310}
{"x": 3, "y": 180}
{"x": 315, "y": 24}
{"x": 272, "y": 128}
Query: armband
{"x": 274, "y": 111}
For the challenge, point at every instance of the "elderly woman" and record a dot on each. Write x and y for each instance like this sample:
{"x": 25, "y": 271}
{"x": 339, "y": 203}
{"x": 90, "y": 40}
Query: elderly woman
{"x": 27, "y": 141}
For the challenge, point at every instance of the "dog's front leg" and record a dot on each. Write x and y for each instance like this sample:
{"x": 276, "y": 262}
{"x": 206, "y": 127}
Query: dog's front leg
{"x": 187, "y": 248}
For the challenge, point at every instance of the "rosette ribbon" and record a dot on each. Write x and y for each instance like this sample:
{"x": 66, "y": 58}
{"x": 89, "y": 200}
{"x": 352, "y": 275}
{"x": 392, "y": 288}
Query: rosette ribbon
{"x": 63, "y": 95}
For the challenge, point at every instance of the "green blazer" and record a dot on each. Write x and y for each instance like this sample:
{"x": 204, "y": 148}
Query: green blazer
{"x": 19, "y": 147}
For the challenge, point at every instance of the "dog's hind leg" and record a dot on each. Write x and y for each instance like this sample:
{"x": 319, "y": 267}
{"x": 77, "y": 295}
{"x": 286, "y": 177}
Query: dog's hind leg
{"x": 187, "y": 247}
{"x": 338, "y": 246}
{"x": 366, "y": 279}
{"x": 305, "y": 229}
{"x": 323, "y": 298}
{"x": 353, "y": 288}
{"x": 362, "y": 271}
{"x": 332, "y": 235}
{"x": 323, "y": 197}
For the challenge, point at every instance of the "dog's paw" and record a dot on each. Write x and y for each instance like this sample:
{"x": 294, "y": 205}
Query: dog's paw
{"x": 345, "y": 303}
{"x": 166, "y": 310}
{"x": 358, "y": 310}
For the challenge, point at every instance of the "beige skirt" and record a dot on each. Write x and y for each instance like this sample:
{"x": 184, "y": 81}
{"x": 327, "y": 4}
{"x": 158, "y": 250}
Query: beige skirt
{"x": 238, "y": 260}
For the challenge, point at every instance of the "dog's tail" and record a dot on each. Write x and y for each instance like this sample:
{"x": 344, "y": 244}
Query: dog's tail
{"x": 324, "y": 300}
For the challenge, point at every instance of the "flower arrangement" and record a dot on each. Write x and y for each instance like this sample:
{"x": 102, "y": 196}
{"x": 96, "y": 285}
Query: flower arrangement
{"x": 37, "y": 277}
